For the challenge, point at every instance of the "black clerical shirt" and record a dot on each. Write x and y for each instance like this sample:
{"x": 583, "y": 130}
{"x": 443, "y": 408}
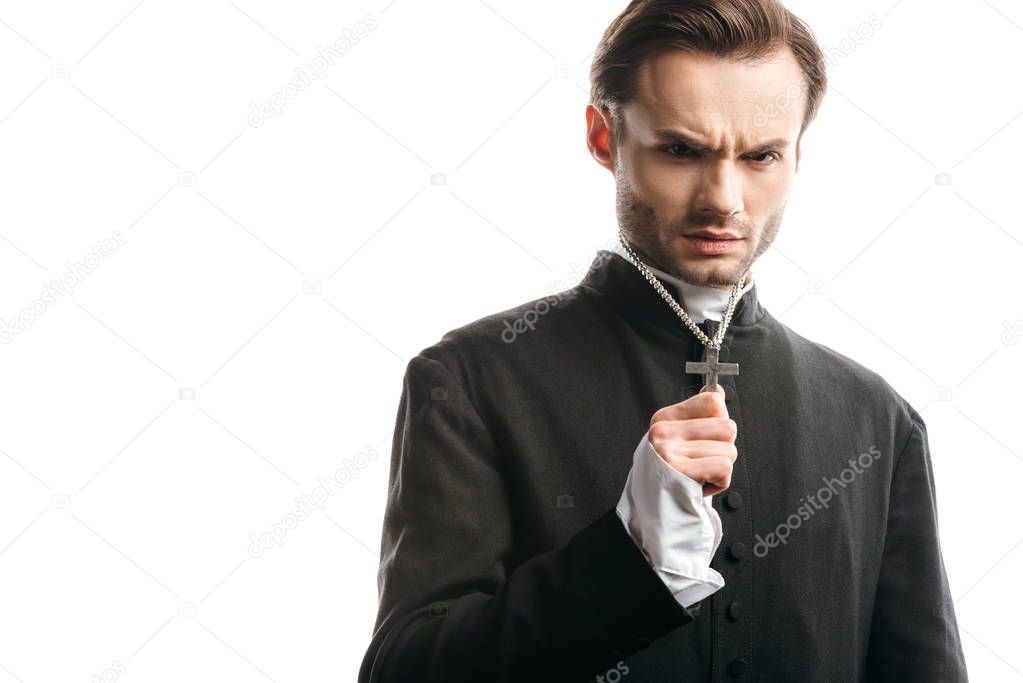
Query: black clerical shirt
{"x": 502, "y": 558}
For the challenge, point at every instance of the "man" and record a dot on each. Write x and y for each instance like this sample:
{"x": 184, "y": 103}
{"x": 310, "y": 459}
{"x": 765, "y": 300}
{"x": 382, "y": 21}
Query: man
{"x": 779, "y": 526}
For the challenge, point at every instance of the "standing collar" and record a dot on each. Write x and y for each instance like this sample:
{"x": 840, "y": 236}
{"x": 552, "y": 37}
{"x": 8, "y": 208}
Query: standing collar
{"x": 698, "y": 301}
{"x": 618, "y": 279}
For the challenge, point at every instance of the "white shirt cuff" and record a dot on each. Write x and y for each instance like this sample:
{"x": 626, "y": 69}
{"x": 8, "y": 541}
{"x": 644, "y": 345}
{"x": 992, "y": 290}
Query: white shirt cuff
{"x": 673, "y": 524}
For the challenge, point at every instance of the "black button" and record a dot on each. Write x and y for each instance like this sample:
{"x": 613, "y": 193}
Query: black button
{"x": 736, "y": 667}
{"x": 737, "y": 550}
{"x": 735, "y": 610}
{"x": 733, "y": 500}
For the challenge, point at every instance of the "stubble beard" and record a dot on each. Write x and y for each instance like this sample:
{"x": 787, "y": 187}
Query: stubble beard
{"x": 638, "y": 221}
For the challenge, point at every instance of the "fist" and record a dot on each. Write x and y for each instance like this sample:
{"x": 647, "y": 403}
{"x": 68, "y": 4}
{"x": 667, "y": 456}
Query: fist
{"x": 697, "y": 438}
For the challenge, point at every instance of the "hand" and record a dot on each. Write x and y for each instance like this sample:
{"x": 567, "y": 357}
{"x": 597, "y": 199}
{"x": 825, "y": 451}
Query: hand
{"x": 697, "y": 438}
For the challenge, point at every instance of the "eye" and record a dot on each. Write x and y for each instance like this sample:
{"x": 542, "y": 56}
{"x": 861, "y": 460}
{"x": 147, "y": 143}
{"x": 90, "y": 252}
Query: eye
{"x": 771, "y": 158}
{"x": 678, "y": 149}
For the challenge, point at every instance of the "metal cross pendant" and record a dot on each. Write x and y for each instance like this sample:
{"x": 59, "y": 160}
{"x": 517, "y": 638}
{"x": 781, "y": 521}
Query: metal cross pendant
{"x": 711, "y": 368}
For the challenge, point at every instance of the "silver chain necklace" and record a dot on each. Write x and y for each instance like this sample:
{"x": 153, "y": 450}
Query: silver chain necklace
{"x": 710, "y": 367}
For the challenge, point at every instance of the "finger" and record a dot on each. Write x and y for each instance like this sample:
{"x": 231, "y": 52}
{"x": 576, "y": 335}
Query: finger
{"x": 712, "y": 489}
{"x": 703, "y": 404}
{"x": 675, "y": 451}
{"x": 716, "y": 470}
{"x": 707, "y": 428}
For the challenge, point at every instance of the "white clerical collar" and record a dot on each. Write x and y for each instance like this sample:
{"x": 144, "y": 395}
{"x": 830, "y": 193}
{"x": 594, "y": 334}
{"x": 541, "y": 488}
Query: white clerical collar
{"x": 698, "y": 301}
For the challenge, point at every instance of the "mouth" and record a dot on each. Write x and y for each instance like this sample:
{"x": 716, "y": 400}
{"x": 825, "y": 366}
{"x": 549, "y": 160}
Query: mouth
{"x": 707, "y": 242}
{"x": 715, "y": 235}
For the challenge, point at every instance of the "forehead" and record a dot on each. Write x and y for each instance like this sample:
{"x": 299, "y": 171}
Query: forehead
{"x": 717, "y": 97}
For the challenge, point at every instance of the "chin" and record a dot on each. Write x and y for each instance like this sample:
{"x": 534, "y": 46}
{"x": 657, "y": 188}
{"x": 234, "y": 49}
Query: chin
{"x": 713, "y": 276}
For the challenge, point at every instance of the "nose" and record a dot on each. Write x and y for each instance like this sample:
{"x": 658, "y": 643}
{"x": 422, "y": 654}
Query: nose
{"x": 720, "y": 189}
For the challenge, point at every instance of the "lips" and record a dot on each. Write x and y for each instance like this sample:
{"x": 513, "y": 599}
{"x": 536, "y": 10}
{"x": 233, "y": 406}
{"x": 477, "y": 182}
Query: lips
{"x": 712, "y": 246}
{"x": 715, "y": 235}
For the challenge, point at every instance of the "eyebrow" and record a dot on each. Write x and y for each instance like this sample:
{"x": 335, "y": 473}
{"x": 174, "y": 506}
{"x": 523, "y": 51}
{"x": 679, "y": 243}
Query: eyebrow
{"x": 678, "y": 136}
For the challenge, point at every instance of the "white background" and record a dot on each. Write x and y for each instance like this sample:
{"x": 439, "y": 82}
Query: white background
{"x": 284, "y": 273}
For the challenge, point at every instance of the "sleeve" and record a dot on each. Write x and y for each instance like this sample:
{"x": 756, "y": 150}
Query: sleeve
{"x": 450, "y": 609}
{"x": 675, "y": 526}
{"x": 914, "y": 635}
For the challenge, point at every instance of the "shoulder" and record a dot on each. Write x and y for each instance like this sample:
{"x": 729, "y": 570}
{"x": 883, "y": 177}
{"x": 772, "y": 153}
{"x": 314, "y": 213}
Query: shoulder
{"x": 849, "y": 381}
{"x": 516, "y": 335}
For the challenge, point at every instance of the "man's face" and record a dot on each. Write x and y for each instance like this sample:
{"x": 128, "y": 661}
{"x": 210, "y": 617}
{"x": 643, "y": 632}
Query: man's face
{"x": 708, "y": 144}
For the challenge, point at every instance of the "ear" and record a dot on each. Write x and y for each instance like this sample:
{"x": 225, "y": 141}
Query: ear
{"x": 799, "y": 151}
{"x": 599, "y": 138}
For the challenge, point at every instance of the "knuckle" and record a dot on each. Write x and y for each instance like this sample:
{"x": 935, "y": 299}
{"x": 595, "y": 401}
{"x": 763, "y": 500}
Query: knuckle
{"x": 683, "y": 450}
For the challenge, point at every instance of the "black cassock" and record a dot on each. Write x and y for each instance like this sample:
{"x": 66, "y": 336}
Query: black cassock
{"x": 503, "y": 559}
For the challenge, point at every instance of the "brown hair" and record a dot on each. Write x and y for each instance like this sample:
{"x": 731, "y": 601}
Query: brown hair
{"x": 745, "y": 30}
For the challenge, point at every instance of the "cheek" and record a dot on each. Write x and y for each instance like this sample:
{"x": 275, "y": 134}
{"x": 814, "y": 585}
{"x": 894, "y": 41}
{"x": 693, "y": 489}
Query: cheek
{"x": 764, "y": 195}
{"x": 661, "y": 182}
